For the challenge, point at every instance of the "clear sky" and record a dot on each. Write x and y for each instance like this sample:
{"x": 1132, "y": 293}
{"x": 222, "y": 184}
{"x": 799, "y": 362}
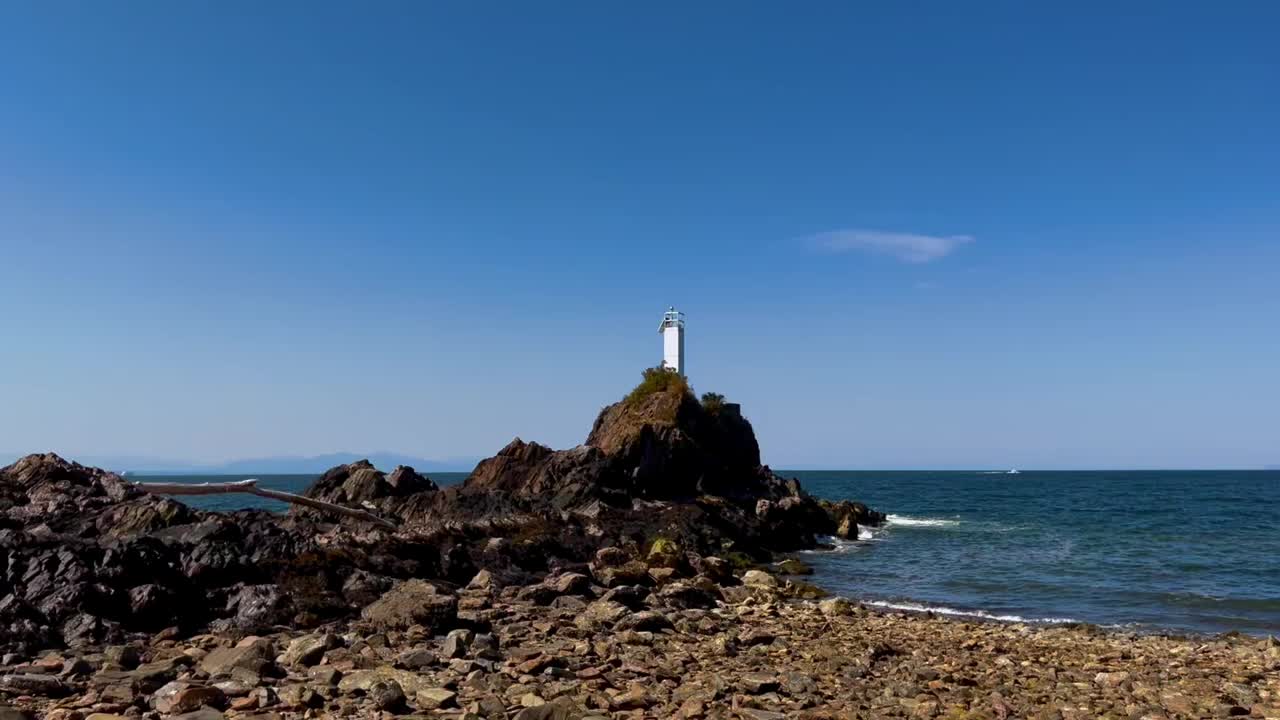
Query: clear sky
{"x": 905, "y": 234}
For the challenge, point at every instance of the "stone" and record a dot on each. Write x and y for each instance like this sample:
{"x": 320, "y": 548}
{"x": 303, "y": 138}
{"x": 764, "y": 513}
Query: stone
{"x": 125, "y": 657}
{"x": 193, "y": 698}
{"x": 387, "y": 695}
{"x": 835, "y": 607}
{"x": 558, "y": 709}
{"x": 756, "y": 683}
{"x": 600, "y": 614}
{"x": 643, "y": 621}
{"x": 412, "y": 602}
{"x": 410, "y": 682}
{"x": 33, "y": 684}
{"x": 435, "y": 698}
{"x": 254, "y": 654}
{"x": 201, "y": 714}
{"x": 457, "y": 643}
{"x": 759, "y": 578}
{"x": 306, "y": 651}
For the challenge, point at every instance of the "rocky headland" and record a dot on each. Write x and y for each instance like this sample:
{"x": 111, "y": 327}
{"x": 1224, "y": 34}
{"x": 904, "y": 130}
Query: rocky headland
{"x": 643, "y": 574}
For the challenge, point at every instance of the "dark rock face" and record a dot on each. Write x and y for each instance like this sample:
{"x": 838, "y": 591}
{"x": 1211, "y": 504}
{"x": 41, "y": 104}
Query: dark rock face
{"x": 361, "y": 484}
{"x": 659, "y": 468}
{"x": 88, "y": 559}
{"x": 663, "y": 483}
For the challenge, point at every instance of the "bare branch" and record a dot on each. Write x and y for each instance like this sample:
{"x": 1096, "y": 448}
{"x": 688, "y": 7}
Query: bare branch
{"x": 250, "y": 487}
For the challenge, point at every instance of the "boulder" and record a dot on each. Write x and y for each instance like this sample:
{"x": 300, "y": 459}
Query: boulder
{"x": 413, "y": 602}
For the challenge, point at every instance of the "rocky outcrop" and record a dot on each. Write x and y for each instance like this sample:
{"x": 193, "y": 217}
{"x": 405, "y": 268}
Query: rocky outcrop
{"x": 661, "y": 466}
{"x": 87, "y": 558}
{"x": 360, "y": 484}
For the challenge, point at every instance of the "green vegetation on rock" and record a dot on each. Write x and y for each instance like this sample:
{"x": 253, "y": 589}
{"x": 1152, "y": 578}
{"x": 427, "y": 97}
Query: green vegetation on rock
{"x": 656, "y": 380}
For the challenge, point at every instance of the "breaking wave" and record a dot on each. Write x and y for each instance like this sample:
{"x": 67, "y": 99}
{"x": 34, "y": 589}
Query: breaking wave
{"x": 908, "y": 521}
{"x": 953, "y": 612}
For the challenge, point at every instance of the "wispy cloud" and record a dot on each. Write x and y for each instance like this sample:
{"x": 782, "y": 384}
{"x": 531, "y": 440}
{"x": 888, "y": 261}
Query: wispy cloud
{"x": 907, "y": 247}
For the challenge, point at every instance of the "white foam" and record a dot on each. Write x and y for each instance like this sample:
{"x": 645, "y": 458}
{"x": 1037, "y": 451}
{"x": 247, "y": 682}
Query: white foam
{"x": 837, "y": 545}
{"x": 919, "y": 522}
{"x": 952, "y": 612}
{"x": 866, "y": 533}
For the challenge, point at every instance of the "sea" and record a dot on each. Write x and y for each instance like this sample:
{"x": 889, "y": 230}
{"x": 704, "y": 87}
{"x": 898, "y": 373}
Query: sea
{"x": 1192, "y": 552}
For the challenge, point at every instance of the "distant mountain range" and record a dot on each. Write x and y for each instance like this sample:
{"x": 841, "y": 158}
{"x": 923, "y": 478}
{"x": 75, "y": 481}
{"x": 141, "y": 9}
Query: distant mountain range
{"x": 281, "y": 465}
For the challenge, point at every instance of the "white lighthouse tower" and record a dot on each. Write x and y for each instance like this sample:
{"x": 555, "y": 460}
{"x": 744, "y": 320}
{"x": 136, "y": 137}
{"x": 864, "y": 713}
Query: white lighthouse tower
{"x": 672, "y": 330}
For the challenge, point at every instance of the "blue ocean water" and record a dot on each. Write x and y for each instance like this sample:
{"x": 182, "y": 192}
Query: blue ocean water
{"x": 1182, "y": 551}
{"x": 1186, "y": 551}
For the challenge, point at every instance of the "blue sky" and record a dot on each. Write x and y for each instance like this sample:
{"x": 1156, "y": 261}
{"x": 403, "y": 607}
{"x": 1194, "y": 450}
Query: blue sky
{"x": 905, "y": 235}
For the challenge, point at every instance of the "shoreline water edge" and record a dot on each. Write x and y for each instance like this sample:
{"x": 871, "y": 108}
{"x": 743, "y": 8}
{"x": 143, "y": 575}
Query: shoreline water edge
{"x": 648, "y": 573}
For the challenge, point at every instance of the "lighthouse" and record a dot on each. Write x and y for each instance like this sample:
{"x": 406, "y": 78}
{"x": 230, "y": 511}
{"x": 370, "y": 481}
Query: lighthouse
{"x": 672, "y": 331}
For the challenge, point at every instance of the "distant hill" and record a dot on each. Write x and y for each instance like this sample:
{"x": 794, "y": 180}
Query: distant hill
{"x": 385, "y": 461}
{"x": 280, "y": 465}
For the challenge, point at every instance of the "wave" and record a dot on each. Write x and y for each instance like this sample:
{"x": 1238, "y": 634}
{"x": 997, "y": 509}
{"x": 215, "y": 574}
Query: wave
{"x": 953, "y": 612}
{"x": 907, "y": 521}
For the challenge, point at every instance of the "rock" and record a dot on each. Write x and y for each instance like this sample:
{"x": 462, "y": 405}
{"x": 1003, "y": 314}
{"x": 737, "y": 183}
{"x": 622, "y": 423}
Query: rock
{"x": 685, "y": 596}
{"x": 1111, "y": 679}
{"x": 792, "y": 566}
{"x": 644, "y": 621}
{"x": 569, "y": 583}
{"x": 457, "y": 643}
{"x": 635, "y": 698}
{"x": 413, "y": 602}
{"x": 599, "y": 614}
{"x": 33, "y": 684}
{"x": 835, "y": 607}
{"x": 759, "y": 578}
{"x": 759, "y": 714}
{"x": 301, "y": 696}
{"x": 307, "y": 650}
{"x": 435, "y": 698}
{"x": 179, "y": 697}
{"x": 410, "y": 682}
{"x": 664, "y": 553}
{"x": 756, "y": 683}
{"x": 631, "y": 573}
{"x": 201, "y": 714}
{"x": 12, "y": 713}
{"x": 254, "y": 654}
{"x": 387, "y": 695}
{"x": 125, "y": 657}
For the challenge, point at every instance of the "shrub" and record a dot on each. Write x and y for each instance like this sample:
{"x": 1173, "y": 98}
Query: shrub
{"x": 712, "y": 402}
{"x": 656, "y": 380}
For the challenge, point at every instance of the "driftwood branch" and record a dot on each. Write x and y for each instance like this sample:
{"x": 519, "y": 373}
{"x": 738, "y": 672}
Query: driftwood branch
{"x": 250, "y": 487}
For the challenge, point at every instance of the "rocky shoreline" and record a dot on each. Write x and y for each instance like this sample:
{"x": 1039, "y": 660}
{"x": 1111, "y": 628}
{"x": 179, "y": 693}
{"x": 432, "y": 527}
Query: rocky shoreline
{"x": 643, "y": 574}
{"x": 568, "y": 647}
